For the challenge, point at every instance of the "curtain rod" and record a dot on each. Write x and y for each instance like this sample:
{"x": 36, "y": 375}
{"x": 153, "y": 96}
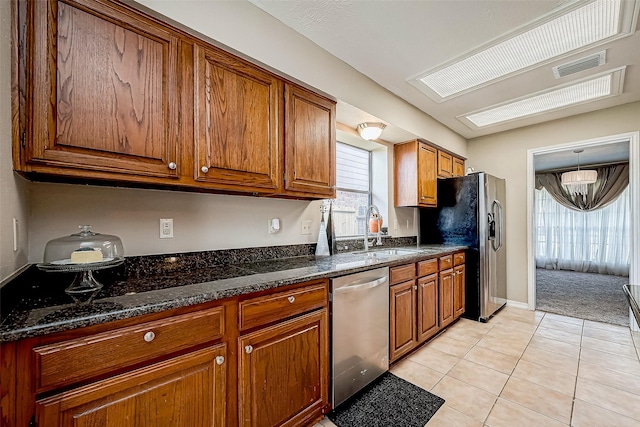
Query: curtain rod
{"x": 593, "y": 165}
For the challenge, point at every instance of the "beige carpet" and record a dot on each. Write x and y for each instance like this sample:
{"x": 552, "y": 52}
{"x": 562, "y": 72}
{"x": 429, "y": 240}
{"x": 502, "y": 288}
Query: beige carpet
{"x": 590, "y": 296}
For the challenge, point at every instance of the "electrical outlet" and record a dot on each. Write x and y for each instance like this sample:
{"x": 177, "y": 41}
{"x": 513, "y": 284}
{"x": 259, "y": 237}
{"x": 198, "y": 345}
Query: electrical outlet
{"x": 408, "y": 224}
{"x": 306, "y": 227}
{"x": 166, "y": 228}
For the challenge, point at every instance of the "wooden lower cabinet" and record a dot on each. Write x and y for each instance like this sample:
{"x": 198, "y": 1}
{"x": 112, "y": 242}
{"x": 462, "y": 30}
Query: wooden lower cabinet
{"x": 427, "y": 307}
{"x": 188, "y": 390}
{"x": 283, "y": 372}
{"x": 458, "y": 290}
{"x": 446, "y": 297}
{"x": 402, "y": 301}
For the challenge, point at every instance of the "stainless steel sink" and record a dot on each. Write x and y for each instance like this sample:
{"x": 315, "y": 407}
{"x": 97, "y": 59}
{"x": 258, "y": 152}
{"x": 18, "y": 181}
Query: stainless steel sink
{"x": 386, "y": 253}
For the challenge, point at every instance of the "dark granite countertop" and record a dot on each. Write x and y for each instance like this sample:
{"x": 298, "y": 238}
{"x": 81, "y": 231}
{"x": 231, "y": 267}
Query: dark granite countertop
{"x": 36, "y": 303}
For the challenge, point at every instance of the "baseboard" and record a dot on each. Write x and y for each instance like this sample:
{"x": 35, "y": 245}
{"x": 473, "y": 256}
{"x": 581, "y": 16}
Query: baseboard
{"x": 518, "y": 304}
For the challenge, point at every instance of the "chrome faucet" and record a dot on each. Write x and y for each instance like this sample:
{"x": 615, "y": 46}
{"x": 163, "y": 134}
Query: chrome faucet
{"x": 370, "y": 209}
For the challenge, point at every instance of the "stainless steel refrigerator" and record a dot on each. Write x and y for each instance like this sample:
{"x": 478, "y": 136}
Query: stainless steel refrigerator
{"x": 470, "y": 212}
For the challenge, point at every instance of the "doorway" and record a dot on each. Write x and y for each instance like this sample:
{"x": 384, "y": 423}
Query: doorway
{"x": 606, "y": 145}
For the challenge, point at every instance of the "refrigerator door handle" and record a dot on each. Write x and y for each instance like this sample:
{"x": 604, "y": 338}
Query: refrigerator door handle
{"x": 497, "y": 214}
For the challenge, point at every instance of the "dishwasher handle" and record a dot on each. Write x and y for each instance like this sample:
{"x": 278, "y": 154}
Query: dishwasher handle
{"x": 359, "y": 286}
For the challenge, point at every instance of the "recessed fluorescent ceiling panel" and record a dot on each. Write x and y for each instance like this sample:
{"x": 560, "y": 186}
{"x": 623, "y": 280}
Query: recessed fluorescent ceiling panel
{"x": 576, "y": 29}
{"x": 586, "y": 90}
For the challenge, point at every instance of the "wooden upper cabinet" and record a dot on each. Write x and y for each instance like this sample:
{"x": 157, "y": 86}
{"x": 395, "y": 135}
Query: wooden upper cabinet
{"x": 310, "y": 144}
{"x": 445, "y": 164}
{"x": 427, "y": 184}
{"x": 415, "y": 174}
{"x": 237, "y": 134}
{"x": 103, "y": 91}
{"x": 458, "y": 166}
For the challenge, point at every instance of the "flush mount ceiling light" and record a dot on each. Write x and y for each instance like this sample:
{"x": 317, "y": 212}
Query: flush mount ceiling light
{"x": 559, "y": 97}
{"x": 370, "y": 130}
{"x": 576, "y": 182}
{"x": 578, "y": 27}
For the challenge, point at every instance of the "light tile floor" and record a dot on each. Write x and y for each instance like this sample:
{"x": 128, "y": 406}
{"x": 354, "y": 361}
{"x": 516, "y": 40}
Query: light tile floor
{"x": 529, "y": 368}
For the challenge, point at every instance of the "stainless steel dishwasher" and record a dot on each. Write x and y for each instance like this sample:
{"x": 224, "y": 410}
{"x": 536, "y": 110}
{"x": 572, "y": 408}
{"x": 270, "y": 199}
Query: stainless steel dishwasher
{"x": 360, "y": 331}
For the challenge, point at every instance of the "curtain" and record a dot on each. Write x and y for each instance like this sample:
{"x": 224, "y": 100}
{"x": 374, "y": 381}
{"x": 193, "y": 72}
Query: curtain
{"x": 611, "y": 182}
{"x": 597, "y": 241}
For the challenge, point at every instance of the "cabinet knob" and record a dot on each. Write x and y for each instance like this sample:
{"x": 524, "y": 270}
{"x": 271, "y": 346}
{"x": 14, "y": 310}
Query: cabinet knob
{"x": 423, "y": 284}
{"x": 149, "y": 336}
{"x": 291, "y": 299}
{"x": 248, "y": 349}
{"x": 423, "y": 197}
{"x": 173, "y": 166}
{"x": 415, "y": 288}
{"x": 204, "y": 169}
{"x": 220, "y": 360}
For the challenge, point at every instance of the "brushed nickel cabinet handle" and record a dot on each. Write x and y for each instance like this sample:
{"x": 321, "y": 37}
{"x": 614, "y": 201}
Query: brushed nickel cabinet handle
{"x": 149, "y": 336}
{"x": 415, "y": 288}
{"x": 291, "y": 299}
{"x": 172, "y": 166}
{"x": 220, "y": 360}
{"x": 248, "y": 349}
{"x": 204, "y": 169}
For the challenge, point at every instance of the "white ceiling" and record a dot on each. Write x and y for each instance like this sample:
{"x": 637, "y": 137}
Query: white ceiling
{"x": 391, "y": 41}
{"x": 614, "y": 152}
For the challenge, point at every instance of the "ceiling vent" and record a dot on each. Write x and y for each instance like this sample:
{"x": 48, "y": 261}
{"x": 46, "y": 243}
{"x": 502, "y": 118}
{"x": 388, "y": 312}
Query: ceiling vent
{"x": 581, "y": 64}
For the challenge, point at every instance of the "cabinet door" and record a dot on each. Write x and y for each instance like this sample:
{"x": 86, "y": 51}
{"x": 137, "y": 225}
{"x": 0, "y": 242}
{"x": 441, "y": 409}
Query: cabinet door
{"x": 236, "y": 122}
{"x": 284, "y": 372}
{"x": 402, "y": 321}
{"x": 103, "y": 93}
{"x": 446, "y": 297}
{"x": 188, "y": 390}
{"x": 310, "y": 144}
{"x": 427, "y": 307}
{"x": 458, "y": 167}
{"x": 445, "y": 164}
{"x": 427, "y": 179}
{"x": 458, "y": 290}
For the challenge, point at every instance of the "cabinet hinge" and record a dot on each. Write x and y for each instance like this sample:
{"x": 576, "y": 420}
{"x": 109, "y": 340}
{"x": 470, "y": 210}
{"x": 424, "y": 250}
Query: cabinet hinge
{"x": 23, "y": 139}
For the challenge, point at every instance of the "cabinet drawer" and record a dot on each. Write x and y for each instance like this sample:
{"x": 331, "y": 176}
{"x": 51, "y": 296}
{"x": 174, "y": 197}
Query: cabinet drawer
{"x": 458, "y": 259}
{"x": 402, "y": 273}
{"x": 427, "y": 267}
{"x": 78, "y": 359}
{"x": 446, "y": 262}
{"x": 270, "y": 308}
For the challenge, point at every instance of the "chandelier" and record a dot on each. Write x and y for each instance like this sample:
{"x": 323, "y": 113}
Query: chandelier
{"x": 576, "y": 182}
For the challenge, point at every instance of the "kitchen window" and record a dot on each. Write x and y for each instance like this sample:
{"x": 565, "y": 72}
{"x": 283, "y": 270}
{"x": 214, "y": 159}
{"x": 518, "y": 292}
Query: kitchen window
{"x": 353, "y": 190}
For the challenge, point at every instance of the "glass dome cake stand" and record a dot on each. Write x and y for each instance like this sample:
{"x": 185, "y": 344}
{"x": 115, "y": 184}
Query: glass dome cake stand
{"x": 83, "y": 253}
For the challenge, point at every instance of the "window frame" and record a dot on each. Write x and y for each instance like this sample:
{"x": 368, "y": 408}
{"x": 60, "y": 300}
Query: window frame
{"x": 369, "y": 192}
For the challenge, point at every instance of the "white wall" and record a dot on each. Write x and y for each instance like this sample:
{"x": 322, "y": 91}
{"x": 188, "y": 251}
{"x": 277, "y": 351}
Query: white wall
{"x": 200, "y": 221}
{"x": 505, "y": 155}
{"x": 13, "y": 189}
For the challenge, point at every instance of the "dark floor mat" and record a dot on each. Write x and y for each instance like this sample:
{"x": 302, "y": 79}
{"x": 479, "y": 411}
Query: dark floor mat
{"x": 388, "y": 401}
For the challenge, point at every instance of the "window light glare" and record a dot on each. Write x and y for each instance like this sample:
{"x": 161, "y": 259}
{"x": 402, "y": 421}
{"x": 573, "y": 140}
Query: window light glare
{"x": 581, "y": 27}
{"x": 585, "y": 91}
